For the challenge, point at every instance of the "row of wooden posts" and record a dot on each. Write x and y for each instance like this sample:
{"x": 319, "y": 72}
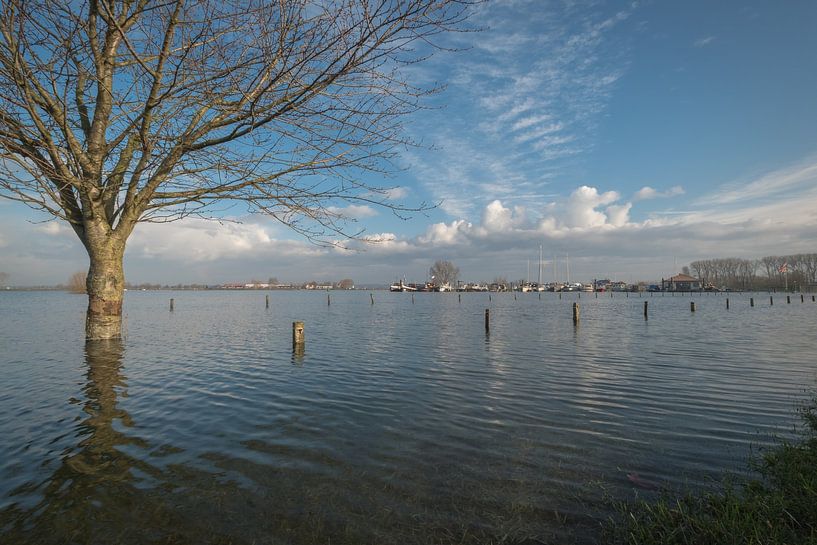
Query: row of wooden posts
{"x": 691, "y": 304}
{"x": 299, "y": 338}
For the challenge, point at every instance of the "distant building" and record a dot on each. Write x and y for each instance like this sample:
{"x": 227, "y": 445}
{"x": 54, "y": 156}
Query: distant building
{"x": 681, "y": 282}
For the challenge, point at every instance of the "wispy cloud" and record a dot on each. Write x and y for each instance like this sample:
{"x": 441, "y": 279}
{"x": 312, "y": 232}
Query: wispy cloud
{"x": 703, "y": 42}
{"x": 526, "y": 104}
{"x": 776, "y": 184}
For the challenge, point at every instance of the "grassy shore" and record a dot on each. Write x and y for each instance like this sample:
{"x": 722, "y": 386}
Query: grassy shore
{"x": 778, "y": 506}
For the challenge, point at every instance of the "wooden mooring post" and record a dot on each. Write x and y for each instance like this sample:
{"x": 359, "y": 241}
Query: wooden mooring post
{"x": 727, "y": 303}
{"x": 802, "y": 299}
{"x": 771, "y": 300}
{"x": 298, "y": 337}
{"x": 412, "y": 298}
{"x": 328, "y": 299}
{"x": 692, "y": 306}
{"x": 751, "y": 301}
{"x": 575, "y": 313}
{"x": 788, "y": 299}
{"x": 266, "y": 301}
{"x": 645, "y": 310}
{"x": 372, "y": 296}
{"x": 459, "y": 297}
{"x": 172, "y": 304}
{"x": 487, "y": 320}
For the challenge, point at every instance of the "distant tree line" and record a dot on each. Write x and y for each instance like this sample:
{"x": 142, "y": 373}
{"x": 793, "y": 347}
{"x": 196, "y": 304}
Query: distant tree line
{"x": 767, "y": 272}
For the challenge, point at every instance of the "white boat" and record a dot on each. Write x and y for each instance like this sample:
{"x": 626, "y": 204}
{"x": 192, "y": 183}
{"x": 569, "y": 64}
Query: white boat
{"x": 402, "y": 286}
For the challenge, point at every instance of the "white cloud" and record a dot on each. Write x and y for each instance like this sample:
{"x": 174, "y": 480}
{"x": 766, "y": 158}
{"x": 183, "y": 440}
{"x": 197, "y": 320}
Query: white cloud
{"x": 779, "y": 183}
{"x": 581, "y": 207}
{"x": 618, "y": 215}
{"x": 396, "y": 193}
{"x": 53, "y": 228}
{"x": 354, "y": 211}
{"x": 648, "y": 192}
{"x": 197, "y": 240}
{"x": 703, "y": 42}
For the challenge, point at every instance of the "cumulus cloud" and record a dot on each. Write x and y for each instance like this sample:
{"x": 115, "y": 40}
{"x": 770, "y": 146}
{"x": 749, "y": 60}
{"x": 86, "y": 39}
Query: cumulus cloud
{"x": 581, "y": 208}
{"x": 618, "y": 215}
{"x": 197, "y": 240}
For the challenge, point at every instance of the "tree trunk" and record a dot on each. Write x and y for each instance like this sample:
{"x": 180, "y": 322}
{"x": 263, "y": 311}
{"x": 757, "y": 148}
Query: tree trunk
{"x": 105, "y": 283}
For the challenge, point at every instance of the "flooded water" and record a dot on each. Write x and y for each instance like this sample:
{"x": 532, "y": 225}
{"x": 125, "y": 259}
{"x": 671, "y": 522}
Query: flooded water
{"x": 400, "y": 422}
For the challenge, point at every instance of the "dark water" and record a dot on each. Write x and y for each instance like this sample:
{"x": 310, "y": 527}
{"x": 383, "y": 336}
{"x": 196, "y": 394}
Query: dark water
{"x": 399, "y": 423}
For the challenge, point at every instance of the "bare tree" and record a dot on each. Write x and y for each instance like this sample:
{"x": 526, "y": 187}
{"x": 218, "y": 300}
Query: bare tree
{"x": 444, "y": 272}
{"x": 115, "y": 112}
{"x": 76, "y": 284}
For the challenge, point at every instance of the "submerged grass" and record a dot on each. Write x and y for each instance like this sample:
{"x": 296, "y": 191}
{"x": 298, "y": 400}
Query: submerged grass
{"x": 777, "y": 506}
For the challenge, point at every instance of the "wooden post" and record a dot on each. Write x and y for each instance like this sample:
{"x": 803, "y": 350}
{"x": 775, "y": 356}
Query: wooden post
{"x": 487, "y": 320}
{"x": 266, "y": 298}
{"x": 412, "y": 298}
{"x": 514, "y": 297}
{"x": 172, "y": 301}
{"x": 459, "y": 297}
{"x": 611, "y": 295}
{"x": 298, "y": 337}
{"x": 328, "y": 300}
{"x": 788, "y": 299}
{"x": 645, "y": 310}
{"x": 771, "y": 300}
{"x": 727, "y": 303}
{"x": 692, "y": 306}
{"x": 812, "y": 298}
{"x": 540, "y": 295}
{"x": 751, "y": 301}
{"x": 802, "y": 299}
{"x": 372, "y": 296}
{"x": 575, "y": 313}
{"x": 490, "y": 299}
{"x": 560, "y": 296}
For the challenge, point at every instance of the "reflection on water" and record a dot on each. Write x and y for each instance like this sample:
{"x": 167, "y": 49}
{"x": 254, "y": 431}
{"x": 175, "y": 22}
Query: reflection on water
{"x": 95, "y": 478}
{"x": 404, "y": 422}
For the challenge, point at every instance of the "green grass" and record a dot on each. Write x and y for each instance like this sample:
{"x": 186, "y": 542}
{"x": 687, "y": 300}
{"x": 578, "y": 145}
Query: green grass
{"x": 777, "y": 506}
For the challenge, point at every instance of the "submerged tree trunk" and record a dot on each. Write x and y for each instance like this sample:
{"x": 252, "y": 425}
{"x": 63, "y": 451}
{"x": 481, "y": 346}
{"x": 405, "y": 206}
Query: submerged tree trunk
{"x": 106, "y": 283}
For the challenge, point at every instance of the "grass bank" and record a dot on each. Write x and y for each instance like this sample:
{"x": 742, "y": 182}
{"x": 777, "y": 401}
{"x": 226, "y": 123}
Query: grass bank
{"x": 777, "y": 506}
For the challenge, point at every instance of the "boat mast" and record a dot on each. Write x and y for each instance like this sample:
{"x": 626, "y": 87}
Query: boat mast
{"x": 567, "y": 261}
{"x": 540, "y": 268}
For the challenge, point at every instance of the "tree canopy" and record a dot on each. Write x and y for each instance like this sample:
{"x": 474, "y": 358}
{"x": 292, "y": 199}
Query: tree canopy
{"x": 114, "y": 112}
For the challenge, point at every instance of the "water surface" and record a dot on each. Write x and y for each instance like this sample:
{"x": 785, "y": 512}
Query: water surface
{"x": 401, "y": 421}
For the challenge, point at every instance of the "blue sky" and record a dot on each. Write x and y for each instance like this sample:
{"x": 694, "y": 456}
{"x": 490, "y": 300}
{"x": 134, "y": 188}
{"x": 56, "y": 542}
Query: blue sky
{"x": 634, "y": 137}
